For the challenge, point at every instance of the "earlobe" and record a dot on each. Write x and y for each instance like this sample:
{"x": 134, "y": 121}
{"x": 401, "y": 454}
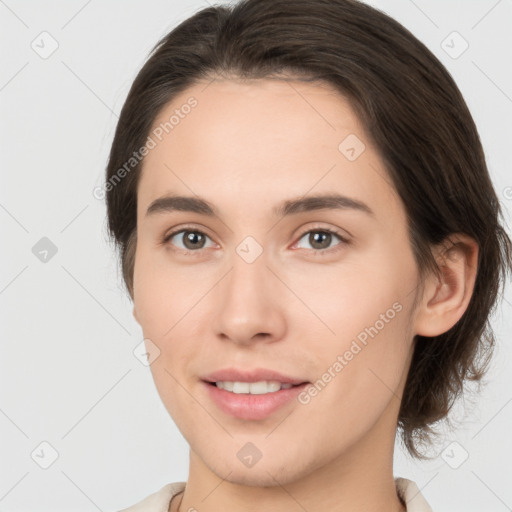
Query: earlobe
{"x": 446, "y": 297}
{"x": 135, "y": 315}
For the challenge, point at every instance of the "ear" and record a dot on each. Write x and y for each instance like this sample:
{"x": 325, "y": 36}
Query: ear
{"x": 446, "y": 299}
{"x": 135, "y": 315}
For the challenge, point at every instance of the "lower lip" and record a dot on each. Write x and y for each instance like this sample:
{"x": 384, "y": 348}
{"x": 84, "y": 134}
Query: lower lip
{"x": 252, "y": 407}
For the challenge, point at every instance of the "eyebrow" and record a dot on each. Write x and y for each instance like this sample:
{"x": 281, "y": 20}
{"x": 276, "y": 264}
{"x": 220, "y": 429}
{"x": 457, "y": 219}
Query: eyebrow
{"x": 170, "y": 203}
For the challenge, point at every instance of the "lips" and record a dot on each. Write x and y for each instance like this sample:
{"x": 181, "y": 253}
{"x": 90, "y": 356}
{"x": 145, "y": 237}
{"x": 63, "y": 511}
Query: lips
{"x": 252, "y": 407}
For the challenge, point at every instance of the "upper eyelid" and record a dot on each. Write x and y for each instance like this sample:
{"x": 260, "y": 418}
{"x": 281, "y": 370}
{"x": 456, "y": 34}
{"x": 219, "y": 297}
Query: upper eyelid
{"x": 177, "y": 231}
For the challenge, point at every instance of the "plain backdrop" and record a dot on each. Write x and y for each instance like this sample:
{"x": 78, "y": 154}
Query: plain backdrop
{"x": 73, "y": 397}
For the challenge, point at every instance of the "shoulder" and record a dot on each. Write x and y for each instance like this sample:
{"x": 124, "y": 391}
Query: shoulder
{"x": 414, "y": 500}
{"x": 158, "y": 501}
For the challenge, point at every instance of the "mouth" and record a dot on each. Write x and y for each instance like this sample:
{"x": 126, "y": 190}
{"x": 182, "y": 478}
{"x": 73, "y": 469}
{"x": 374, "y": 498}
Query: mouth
{"x": 252, "y": 401}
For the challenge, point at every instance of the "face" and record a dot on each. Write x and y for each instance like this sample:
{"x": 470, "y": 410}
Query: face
{"x": 318, "y": 290}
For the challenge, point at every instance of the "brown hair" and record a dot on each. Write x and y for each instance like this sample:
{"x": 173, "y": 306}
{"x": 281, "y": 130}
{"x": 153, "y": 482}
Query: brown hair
{"x": 411, "y": 110}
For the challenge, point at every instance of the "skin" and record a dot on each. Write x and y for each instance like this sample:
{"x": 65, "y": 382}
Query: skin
{"x": 246, "y": 147}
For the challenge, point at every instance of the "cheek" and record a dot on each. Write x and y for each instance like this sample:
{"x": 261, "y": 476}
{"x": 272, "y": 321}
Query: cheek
{"x": 169, "y": 308}
{"x": 347, "y": 298}
{"x": 161, "y": 295}
{"x": 361, "y": 373}
{"x": 366, "y": 307}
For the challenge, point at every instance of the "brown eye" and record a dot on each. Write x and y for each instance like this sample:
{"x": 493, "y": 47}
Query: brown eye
{"x": 321, "y": 239}
{"x": 191, "y": 240}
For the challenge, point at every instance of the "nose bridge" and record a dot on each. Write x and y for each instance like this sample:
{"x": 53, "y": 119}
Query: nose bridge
{"x": 248, "y": 302}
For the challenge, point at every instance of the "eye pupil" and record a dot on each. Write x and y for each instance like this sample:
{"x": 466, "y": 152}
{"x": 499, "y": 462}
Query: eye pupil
{"x": 193, "y": 237}
{"x": 316, "y": 235}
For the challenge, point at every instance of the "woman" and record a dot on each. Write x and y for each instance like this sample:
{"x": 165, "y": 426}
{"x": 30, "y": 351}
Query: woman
{"x": 313, "y": 246}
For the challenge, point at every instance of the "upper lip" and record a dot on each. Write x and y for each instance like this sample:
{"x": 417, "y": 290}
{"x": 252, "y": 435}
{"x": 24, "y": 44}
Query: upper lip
{"x": 253, "y": 375}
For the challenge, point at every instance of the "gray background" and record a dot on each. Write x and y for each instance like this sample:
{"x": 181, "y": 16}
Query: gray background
{"x": 68, "y": 373}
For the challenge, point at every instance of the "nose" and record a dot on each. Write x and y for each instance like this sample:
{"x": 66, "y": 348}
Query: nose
{"x": 250, "y": 304}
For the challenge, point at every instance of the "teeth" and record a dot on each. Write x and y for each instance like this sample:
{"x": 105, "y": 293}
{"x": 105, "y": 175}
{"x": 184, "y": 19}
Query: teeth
{"x": 253, "y": 388}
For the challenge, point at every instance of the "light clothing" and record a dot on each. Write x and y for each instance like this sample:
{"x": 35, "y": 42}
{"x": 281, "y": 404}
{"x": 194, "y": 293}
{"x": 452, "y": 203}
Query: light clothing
{"x": 160, "y": 500}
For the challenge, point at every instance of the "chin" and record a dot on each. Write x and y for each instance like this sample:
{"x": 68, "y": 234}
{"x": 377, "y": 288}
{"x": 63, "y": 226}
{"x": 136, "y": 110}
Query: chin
{"x": 263, "y": 474}
{"x": 256, "y": 478}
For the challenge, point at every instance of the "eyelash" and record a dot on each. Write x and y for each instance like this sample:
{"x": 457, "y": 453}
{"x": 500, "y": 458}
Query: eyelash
{"x": 343, "y": 240}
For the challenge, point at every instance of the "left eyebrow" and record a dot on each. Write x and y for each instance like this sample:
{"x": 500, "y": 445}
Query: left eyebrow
{"x": 171, "y": 203}
{"x": 199, "y": 205}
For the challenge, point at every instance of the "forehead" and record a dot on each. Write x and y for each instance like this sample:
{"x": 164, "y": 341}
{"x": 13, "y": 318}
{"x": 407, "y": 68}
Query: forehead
{"x": 261, "y": 140}
{"x": 281, "y": 113}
